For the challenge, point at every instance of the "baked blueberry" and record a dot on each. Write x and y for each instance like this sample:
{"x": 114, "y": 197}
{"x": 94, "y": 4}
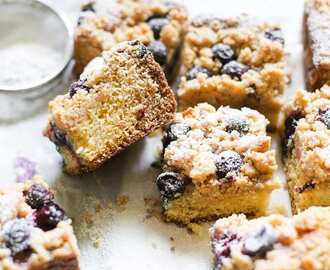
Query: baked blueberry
{"x": 173, "y": 132}
{"x": 37, "y": 195}
{"x": 78, "y": 85}
{"x": 192, "y": 74}
{"x": 57, "y": 136}
{"x": 237, "y": 122}
{"x": 16, "y": 235}
{"x": 259, "y": 243}
{"x": 170, "y": 185}
{"x": 275, "y": 35}
{"x": 156, "y": 24}
{"x": 324, "y": 117}
{"x": 228, "y": 164}
{"x": 159, "y": 51}
{"x": 222, "y": 246}
{"x": 290, "y": 126}
{"x": 88, "y": 7}
{"x": 48, "y": 216}
{"x": 234, "y": 69}
{"x": 224, "y": 53}
{"x": 142, "y": 50}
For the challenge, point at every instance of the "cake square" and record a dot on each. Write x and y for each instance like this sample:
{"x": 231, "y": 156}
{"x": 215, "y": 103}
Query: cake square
{"x": 121, "y": 97}
{"x": 306, "y": 148}
{"x": 158, "y": 24}
{"x": 316, "y": 26}
{"x": 34, "y": 231}
{"x": 234, "y": 61}
{"x": 216, "y": 163}
{"x": 273, "y": 242}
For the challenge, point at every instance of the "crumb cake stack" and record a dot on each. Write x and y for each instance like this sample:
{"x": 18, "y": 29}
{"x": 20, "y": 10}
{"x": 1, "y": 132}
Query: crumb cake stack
{"x": 306, "y": 148}
{"x": 120, "y": 98}
{"x": 158, "y": 24}
{"x": 35, "y": 233}
{"x": 215, "y": 163}
{"x": 316, "y": 43}
{"x": 273, "y": 242}
{"x": 235, "y": 61}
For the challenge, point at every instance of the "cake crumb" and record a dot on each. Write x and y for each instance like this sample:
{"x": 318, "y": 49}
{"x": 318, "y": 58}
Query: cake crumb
{"x": 195, "y": 228}
{"x": 173, "y": 249}
{"x": 152, "y": 207}
{"x": 121, "y": 202}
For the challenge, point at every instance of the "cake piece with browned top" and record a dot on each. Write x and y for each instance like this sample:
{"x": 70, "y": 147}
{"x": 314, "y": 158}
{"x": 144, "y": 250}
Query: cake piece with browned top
{"x": 35, "y": 233}
{"x": 158, "y": 24}
{"x": 306, "y": 148}
{"x": 274, "y": 242}
{"x": 120, "y": 98}
{"x": 236, "y": 62}
{"x": 316, "y": 42}
{"x": 216, "y": 163}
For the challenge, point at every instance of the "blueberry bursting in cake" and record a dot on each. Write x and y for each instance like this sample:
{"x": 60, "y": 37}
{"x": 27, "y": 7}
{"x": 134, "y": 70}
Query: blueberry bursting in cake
{"x": 273, "y": 242}
{"x": 215, "y": 163}
{"x": 35, "y": 233}
{"x": 158, "y": 24}
{"x": 121, "y": 97}
{"x": 306, "y": 148}
{"x": 233, "y": 61}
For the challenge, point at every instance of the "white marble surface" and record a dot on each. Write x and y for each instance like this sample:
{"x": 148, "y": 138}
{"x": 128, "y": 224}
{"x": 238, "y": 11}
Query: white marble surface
{"x": 125, "y": 239}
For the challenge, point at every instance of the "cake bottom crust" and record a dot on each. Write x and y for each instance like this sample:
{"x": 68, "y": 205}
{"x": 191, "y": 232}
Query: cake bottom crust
{"x": 195, "y": 207}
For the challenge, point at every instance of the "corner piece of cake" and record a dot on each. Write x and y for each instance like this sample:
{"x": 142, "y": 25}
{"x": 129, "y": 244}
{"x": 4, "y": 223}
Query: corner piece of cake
{"x": 316, "y": 26}
{"x": 234, "y": 61}
{"x": 306, "y": 148}
{"x": 216, "y": 163}
{"x": 158, "y": 24}
{"x": 121, "y": 97}
{"x": 34, "y": 231}
{"x": 273, "y": 242}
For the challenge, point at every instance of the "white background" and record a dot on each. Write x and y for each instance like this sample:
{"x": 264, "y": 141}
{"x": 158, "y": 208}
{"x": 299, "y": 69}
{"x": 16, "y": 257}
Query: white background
{"x": 126, "y": 240}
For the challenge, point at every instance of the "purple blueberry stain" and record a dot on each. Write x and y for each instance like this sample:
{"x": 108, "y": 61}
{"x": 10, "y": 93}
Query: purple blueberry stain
{"x": 78, "y": 85}
{"x": 25, "y": 169}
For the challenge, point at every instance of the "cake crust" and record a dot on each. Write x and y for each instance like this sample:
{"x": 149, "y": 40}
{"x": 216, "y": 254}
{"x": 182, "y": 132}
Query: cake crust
{"x": 120, "y": 98}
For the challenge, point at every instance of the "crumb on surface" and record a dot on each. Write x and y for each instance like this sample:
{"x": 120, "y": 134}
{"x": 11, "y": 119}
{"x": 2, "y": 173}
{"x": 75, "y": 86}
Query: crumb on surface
{"x": 195, "y": 228}
{"x": 122, "y": 200}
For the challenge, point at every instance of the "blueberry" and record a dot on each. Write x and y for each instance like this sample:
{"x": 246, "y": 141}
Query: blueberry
{"x": 228, "y": 164}
{"x": 275, "y": 35}
{"x": 142, "y": 50}
{"x": 259, "y": 243}
{"x": 307, "y": 186}
{"x": 37, "y": 195}
{"x": 192, "y": 74}
{"x": 78, "y": 85}
{"x": 159, "y": 52}
{"x": 88, "y": 7}
{"x": 290, "y": 126}
{"x": 173, "y": 132}
{"x": 16, "y": 235}
{"x": 324, "y": 117}
{"x": 222, "y": 247}
{"x": 237, "y": 122}
{"x": 223, "y": 53}
{"x": 156, "y": 24}
{"x": 58, "y": 136}
{"x": 48, "y": 216}
{"x": 234, "y": 69}
{"x": 170, "y": 184}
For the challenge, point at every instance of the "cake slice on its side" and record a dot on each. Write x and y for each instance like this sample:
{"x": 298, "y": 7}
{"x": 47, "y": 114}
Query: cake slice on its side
{"x": 273, "y": 242}
{"x": 306, "y": 148}
{"x": 120, "y": 98}
{"x": 216, "y": 163}
{"x": 34, "y": 231}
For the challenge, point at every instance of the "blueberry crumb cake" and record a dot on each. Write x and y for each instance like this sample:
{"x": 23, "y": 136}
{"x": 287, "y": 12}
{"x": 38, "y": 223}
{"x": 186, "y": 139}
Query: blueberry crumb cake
{"x": 234, "y": 61}
{"x": 306, "y": 148}
{"x": 120, "y": 98}
{"x": 316, "y": 43}
{"x": 216, "y": 163}
{"x": 35, "y": 233}
{"x": 274, "y": 242}
{"x": 158, "y": 24}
